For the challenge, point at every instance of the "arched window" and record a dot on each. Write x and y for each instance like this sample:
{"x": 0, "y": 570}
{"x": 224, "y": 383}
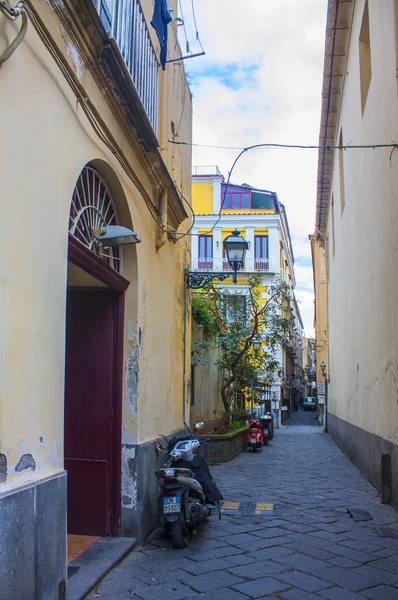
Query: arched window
{"x": 91, "y": 209}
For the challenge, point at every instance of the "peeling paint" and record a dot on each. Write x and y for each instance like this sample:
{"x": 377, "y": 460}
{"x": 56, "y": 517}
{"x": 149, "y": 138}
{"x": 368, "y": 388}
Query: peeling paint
{"x": 74, "y": 54}
{"x": 131, "y": 381}
{"x": 54, "y": 458}
{"x": 3, "y": 468}
{"x": 127, "y": 438}
{"x": 26, "y": 462}
{"x": 129, "y": 477}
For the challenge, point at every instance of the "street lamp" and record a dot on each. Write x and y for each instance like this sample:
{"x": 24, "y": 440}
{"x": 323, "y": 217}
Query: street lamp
{"x": 235, "y": 249}
{"x": 256, "y": 343}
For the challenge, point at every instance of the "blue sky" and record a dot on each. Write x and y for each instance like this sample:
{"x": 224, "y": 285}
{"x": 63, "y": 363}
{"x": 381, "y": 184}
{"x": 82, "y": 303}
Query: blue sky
{"x": 260, "y": 82}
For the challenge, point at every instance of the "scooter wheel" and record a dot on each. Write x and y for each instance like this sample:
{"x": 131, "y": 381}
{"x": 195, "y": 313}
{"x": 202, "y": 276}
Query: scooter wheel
{"x": 265, "y": 442}
{"x": 180, "y": 533}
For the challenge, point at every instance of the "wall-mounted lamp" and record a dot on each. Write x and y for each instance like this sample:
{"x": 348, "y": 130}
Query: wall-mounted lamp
{"x": 115, "y": 235}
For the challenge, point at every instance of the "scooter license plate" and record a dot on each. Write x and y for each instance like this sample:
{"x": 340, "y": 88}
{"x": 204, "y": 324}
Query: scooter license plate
{"x": 253, "y": 441}
{"x": 171, "y": 504}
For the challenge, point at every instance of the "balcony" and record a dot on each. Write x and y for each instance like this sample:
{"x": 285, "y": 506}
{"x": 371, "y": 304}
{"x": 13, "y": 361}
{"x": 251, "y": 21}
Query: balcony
{"x": 252, "y": 265}
{"x": 203, "y": 170}
{"x": 227, "y": 267}
{"x": 124, "y": 21}
{"x": 205, "y": 264}
{"x": 262, "y": 264}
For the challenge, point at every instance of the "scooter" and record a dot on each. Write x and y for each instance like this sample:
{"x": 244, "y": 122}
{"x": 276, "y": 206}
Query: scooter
{"x": 188, "y": 492}
{"x": 254, "y": 436}
{"x": 268, "y": 428}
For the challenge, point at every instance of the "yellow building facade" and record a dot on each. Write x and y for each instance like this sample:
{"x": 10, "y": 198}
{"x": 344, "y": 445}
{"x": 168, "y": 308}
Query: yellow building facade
{"x": 261, "y": 219}
{"x": 92, "y": 360}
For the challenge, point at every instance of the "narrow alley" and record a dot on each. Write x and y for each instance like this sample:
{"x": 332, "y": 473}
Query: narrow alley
{"x": 311, "y": 550}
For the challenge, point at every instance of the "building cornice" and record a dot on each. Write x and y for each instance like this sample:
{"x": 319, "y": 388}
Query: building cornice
{"x": 338, "y": 29}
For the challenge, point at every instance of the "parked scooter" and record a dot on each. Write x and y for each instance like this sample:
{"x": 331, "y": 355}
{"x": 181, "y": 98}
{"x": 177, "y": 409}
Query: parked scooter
{"x": 188, "y": 491}
{"x": 254, "y": 436}
{"x": 267, "y": 424}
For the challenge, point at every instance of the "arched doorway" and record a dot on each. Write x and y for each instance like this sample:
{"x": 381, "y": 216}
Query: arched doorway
{"x": 94, "y": 356}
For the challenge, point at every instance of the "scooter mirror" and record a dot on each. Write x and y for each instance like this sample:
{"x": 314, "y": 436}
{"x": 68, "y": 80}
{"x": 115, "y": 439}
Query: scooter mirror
{"x": 199, "y": 425}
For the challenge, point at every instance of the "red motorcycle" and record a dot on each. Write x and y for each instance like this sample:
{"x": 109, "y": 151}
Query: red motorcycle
{"x": 255, "y": 435}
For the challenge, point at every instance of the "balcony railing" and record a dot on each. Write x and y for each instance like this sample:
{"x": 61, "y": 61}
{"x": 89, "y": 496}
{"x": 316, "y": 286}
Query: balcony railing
{"x": 205, "y": 264}
{"x": 125, "y": 21}
{"x": 261, "y": 264}
{"x": 206, "y": 170}
{"x": 227, "y": 267}
{"x": 252, "y": 265}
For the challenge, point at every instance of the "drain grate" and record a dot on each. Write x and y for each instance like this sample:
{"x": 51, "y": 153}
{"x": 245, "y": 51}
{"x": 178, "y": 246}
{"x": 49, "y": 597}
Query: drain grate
{"x": 250, "y": 509}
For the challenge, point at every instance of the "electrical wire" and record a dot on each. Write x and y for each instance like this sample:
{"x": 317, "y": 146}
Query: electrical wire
{"x": 185, "y": 30}
{"x": 88, "y": 108}
{"x": 393, "y": 145}
{"x": 350, "y": 146}
{"x": 179, "y": 236}
{"x": 225, "y": 190}
{"x": 196, "y": 26}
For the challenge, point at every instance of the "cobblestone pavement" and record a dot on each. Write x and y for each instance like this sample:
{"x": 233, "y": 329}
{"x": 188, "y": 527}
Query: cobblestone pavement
{"x": 313, "y": 550}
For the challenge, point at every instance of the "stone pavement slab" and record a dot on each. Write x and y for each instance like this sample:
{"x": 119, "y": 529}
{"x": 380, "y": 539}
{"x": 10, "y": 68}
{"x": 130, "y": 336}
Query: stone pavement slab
{"x": 382, "y": 592}
{"x": 312, "y": 550}
{"x": 259, "y": 587}
{"x": 304, "y": 581}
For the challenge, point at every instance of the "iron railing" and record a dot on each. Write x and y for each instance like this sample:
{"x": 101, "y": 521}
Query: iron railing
{"x": 125, "y": 22}
{"x": 252, "y": 265}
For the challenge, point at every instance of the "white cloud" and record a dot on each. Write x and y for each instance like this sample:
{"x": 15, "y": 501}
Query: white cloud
{"x": 260, "y": 82}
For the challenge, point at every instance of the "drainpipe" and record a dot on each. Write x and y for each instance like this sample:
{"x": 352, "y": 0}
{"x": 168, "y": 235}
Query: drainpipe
{"x": 162, "y": 233}
{"x": 184, "y": 353}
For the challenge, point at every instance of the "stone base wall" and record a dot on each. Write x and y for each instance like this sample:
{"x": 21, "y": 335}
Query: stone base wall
{"x": 140, "y": 489}
{"x": 33, "y": 541}
{"x": 223, "y": 448}
{"x": 373, "y": 455}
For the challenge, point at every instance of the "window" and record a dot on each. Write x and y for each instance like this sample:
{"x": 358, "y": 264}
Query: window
{"x": 365, "y": 62}
{"x": 205, "y": 257}
{"x": 236, "y": 307}
{"x": 261, "y": 252}
{"x": 235, "y": 198}
{"x": 263, "y": 200}
{"x": 341, "y": 171}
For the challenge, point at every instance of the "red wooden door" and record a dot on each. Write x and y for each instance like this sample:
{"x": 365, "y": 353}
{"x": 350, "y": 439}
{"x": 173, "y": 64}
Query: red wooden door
{"x": 89, "y": 410}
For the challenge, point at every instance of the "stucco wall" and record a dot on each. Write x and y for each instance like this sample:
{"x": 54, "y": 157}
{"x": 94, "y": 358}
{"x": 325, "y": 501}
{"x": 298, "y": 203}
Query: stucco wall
{"x": 46, "y": 140}
{"x": 363, "y": 286}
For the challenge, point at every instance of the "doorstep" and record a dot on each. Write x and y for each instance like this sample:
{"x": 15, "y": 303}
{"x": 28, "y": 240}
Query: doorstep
{"x": 87, "y": 569}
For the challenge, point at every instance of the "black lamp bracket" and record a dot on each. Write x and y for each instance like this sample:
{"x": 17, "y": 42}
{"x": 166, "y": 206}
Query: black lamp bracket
{"x": 197, "y": 280}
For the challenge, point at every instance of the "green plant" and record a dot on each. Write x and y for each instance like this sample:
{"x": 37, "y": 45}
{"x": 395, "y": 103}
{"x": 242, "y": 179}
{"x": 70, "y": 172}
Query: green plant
{"x": 236, "y": 320}
{"x": 239, "y": 415}
{"x": 235, "y": 425}
{"x": 202, "y": 316}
